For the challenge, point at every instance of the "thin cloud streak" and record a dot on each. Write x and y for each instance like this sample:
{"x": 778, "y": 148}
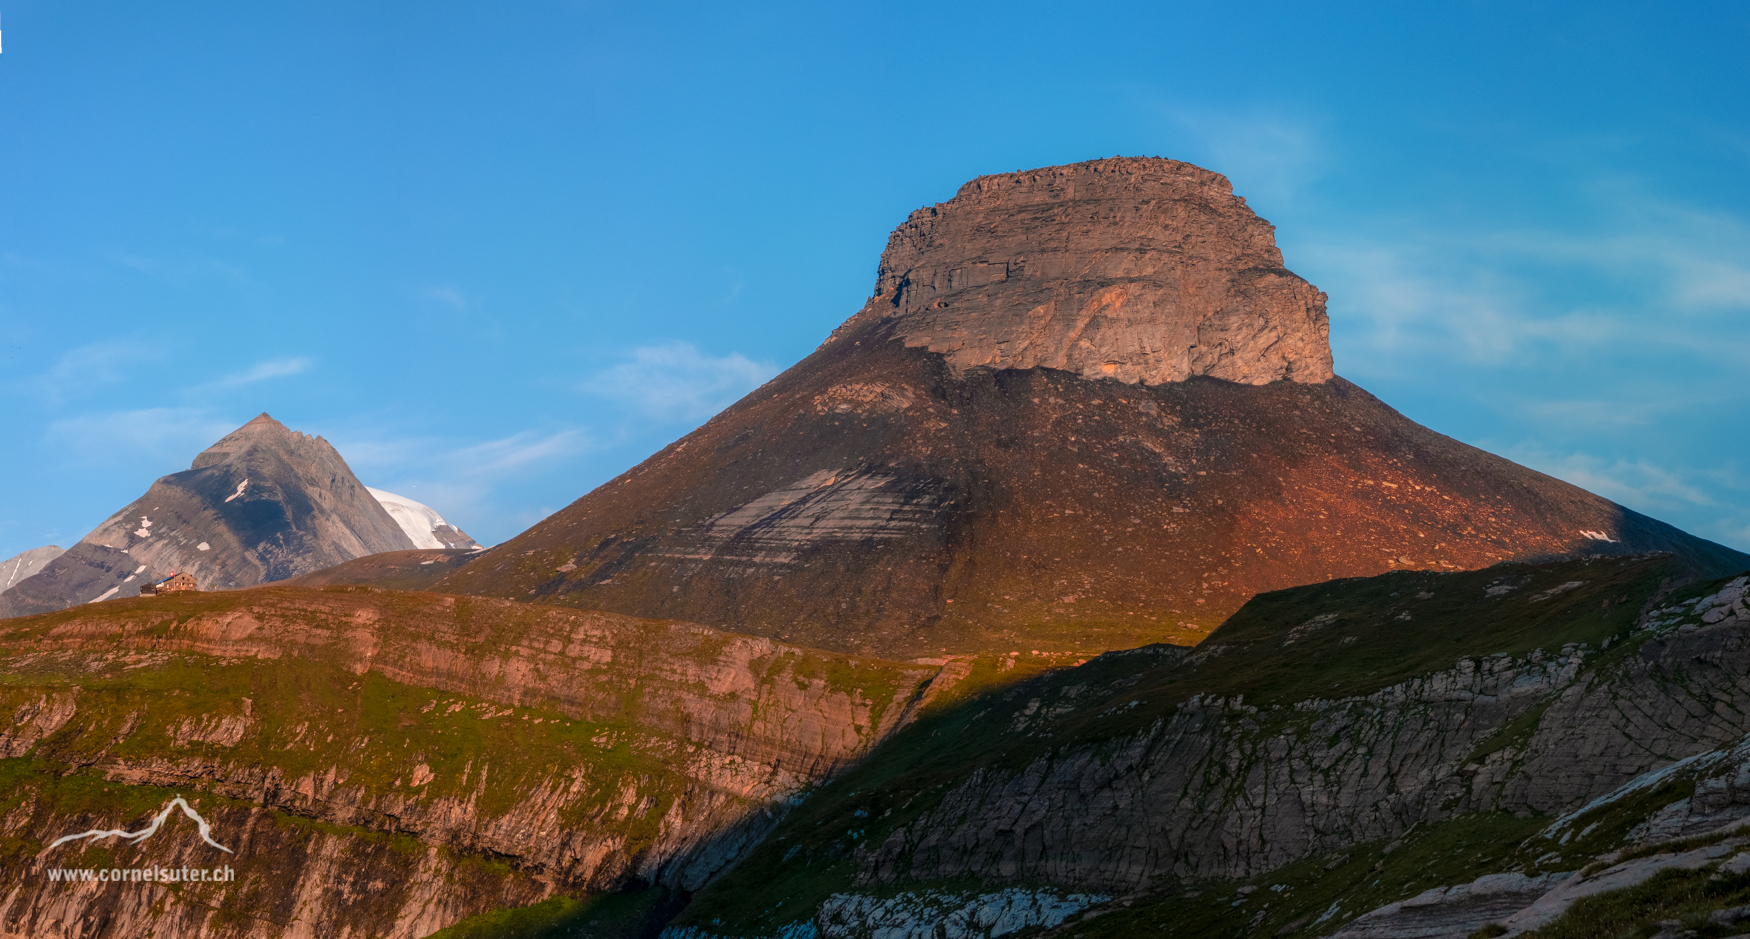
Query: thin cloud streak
{"x": 150, "y": 436}
{"x": 88, "y": 367}
{"x": 458, "y": 478}
{"x": 1272, "y": 155}
{"x": 262, "y": 371}
{"x": 1653, "y": 276}
{"x": 675, "y": 381}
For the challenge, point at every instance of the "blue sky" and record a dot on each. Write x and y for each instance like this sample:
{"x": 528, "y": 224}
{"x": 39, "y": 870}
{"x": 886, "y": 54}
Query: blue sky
{"x": 499, "y": 253}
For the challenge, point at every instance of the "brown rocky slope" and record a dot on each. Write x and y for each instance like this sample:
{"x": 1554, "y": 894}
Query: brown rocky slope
{"x": 383, "y": 763}
{"x": 1087, "y": 407}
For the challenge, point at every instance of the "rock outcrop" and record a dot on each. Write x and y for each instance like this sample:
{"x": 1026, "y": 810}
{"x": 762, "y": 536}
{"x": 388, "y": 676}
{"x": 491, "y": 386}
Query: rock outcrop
{"x": 1136, "y": 270}
{"x": 957, "y": 470}
{"x": 384, "y": 764}
{"x": 263, "y": 504}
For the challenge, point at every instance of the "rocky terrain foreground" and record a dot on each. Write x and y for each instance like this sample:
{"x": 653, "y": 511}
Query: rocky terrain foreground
{"x": 262, "y": 504}
{"x": 1087, "y": 408}
{"x": 1555, "y": 750}
{"x": 384, "y": 764}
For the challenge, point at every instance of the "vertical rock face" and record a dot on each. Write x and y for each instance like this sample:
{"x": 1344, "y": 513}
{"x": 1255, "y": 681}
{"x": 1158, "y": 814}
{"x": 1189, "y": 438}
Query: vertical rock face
{"x": 263, "y": 504}
{"x": 1139, "y": 270}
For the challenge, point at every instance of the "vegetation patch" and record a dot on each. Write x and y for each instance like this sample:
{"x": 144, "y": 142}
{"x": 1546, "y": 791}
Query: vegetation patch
{"x": 632, "y": 915}
{"x": 1682, "y": 898}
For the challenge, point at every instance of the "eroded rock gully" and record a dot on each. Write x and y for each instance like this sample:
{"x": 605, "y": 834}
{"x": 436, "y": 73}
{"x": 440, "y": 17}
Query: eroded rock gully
{"x": 384, "y": 764}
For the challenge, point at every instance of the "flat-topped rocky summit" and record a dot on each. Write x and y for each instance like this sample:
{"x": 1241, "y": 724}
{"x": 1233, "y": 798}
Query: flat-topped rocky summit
{"x": 1087, "y": 407}
{"x": 1135, "y": 269}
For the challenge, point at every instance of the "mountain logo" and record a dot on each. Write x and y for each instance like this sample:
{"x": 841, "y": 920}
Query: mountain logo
{"x": 135, "y": 837}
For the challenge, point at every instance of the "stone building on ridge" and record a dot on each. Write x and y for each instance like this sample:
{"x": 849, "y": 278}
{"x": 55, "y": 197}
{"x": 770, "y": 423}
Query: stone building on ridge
{"x": 175, "y": 583}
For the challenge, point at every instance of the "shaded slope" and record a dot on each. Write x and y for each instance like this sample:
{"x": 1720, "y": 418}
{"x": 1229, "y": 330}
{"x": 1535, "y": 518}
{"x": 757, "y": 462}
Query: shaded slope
{"x": 262, "y": 504}
{"x": 385, "y": 763}
{"x": 1345, "y": 745}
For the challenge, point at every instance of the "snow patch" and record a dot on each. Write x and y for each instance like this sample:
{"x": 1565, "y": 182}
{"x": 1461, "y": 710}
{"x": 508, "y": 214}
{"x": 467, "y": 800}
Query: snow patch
{"x": 105, "y": 595}
{"x": 145, "y": 523}
{"x": 1598, "y": 536}
{"x": 419, "y": 521}
{"x": 238, "y": 492}
{"x": 203, "y": 546}
{"x": 138, "y": 571}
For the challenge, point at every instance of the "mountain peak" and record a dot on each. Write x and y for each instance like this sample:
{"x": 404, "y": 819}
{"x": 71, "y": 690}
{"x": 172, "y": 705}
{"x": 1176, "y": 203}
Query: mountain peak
{"x": 1138, "y": 269}
{"x": 264, "y": 503}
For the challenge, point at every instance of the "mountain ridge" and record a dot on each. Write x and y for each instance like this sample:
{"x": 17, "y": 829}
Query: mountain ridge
{"x": 262, "y": 503}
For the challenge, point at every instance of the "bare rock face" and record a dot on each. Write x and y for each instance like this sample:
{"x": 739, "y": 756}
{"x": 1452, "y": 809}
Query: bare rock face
{"x": 1139, "y": 270}
{"x": 265, "y": 503}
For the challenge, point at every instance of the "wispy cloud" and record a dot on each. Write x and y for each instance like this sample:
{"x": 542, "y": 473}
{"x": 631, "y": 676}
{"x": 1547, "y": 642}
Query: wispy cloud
{"x": 1637, "y": 484}
{"x": 447, "y": 295}
{"x": 88, "y": 367}
{"x": 149, "y": 436}
{"x": 186, "y": 271}
{"x": 513, "y": 453}
{"x": 1267, "y": 155}
{"x": 675, "y": 381}
{"x": 456, "y": 477}
{"x": 1709, "y": 502}
{"x": 1652, "y": 276}
{"x": 261, "y": 371}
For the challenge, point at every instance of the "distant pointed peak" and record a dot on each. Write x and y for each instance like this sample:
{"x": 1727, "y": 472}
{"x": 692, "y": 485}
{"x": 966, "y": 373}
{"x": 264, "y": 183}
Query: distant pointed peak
{"x": 261, "y": 429}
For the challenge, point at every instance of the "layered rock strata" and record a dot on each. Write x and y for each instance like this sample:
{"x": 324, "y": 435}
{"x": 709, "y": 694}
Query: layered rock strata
{"x": 384, "y": 764}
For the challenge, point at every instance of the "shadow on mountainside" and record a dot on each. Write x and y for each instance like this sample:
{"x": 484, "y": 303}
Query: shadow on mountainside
{"x": 1364, "y": 739}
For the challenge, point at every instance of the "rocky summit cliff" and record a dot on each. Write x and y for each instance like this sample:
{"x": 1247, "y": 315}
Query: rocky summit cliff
{"x": 1136, "y": 270}
{"x": 1086, "y": 408}
{"x": 264, "y": 503}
